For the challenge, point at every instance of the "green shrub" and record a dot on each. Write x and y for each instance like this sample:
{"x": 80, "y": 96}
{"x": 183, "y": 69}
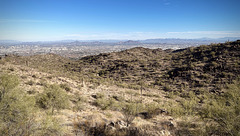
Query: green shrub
{"x": 190, "y": 104}
{"x": 118, "y": 98}
{"x": 152, "y": 109}
{"x": 18, "y": 112}
{"x": 30, "y": 82}
{"x": 53, "y": 98}
{"x": 79, "y": 102}
{"x": 225, "y": 111}
{"x": 11, "y": 69}
{"x": 65, "y": 87}
{"x": 42, "y": 83}
{"x": 171, "y": 95}
{"x": 130, "y": 111}
{"x": 16, "y": 108}
{"x": 50, "y": 126}
{"x": 7, "y": 83}
{"x": 174, "y": 109}
{"x": 100, "y": 95}
{"x": 104, "y": 103}
{"x": 166, "y": 87}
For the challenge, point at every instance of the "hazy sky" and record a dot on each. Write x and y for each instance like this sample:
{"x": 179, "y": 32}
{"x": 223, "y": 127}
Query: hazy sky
{"x": 31, "y": 20}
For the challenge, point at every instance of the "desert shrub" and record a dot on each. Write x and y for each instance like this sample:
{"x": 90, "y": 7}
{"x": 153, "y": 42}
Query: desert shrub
{"x": 50, "y": 77}
{"x": 111, "y": 103}
{"x": 190, "y": 104}
{"x": 174, "y": 109}
{"x": 7, "y": 83}
{"x": 150, "y": 94}
{"x": 152, "y": 109}
{"x": 134, "y": 86}
{"x": 31, "y": 82}
{"x": 166, "y": 87}
{"x": 225, "y": 111}
{"x": 118, "y": 98}
{"x": 42, "y": 83}
{"x": 18, "y": 112}
{"x": 78, "y": 106}
{"x": 50, "y": 126}
{"x": 53, "y": 98}
{"x": 108, "y": 115}
{"x": 171, "y": 95}
{"x": 129, "y": 112}
{"x": 16, "y": 108}
{"x": 191, "y": 128}
{"x": 106, "y": 103}
{"x": 100, "y": 95}
{"x": 101, "y": 129}
{"x": 158, "y": 100}
{"x": 205, "y": 59}
{"x": 132, "y": 93}
{"x": 65, "y": 87}
{"x": 79, "y": 101}
{"x": 103, "y": 103}
{"x": 80, "y": 86}
{"x": 32, "y": 91}
{"x": 24, "y": 77}
{"x": 121, "y": 84}
{"x": 11, "y": 69}
{"x": 2, "y": 61}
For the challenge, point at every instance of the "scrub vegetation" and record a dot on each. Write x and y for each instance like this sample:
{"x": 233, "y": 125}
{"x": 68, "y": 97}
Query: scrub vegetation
{"x": 139, "y": 91}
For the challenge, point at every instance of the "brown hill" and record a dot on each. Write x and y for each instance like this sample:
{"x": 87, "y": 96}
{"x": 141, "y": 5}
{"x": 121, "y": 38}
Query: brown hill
{"x": 98, "y": 106}
{"x": 211, "y": 66}
{"x": 206, "y": 67}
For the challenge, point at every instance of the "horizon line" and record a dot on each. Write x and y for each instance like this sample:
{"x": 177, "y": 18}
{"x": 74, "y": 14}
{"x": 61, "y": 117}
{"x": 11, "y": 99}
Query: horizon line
{"x": 118, "y": 39}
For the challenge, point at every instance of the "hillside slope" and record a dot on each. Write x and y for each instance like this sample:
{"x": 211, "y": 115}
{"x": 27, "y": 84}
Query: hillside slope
{"x": 205, "y": 67}
{"x": 139, "y": 91}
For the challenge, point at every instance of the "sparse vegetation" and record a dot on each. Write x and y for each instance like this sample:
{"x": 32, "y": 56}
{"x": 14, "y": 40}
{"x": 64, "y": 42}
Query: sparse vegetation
{"x": 53, "y": 98}
{"x": 193, "y": 91}
{"x": 225, "y": 111}
{"x": 31, "y": 82}
{"x": 79, "y": 101}
{"x": 65, "y": 87}
{"x": 18, "y": 111}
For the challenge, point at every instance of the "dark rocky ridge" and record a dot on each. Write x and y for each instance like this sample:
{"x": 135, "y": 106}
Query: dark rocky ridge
{"x": 205, "y": 67}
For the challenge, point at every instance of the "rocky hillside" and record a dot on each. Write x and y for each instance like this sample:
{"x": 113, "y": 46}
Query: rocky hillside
{"x": 206, "y": 67}
{"x": 137, "y": 92}
{"x": 211, "y": 66}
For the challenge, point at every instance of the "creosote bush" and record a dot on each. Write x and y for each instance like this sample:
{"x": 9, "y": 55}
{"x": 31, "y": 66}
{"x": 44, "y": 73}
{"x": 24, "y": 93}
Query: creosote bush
{"x": 65, "y": 87}
{"x": 79, "y": 101}
{"x": 16, "y": 108}
{"x": 53, "y": 98}
{"x": 129, "y": 112}
{"x": 108, "y": 103}
{"x": 50, "y": 126}
{"x": 7, "y": 82}
{"x": 225, "y": 111}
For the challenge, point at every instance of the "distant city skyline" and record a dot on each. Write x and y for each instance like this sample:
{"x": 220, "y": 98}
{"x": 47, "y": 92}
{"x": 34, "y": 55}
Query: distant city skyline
{"x": 49, "y": 20}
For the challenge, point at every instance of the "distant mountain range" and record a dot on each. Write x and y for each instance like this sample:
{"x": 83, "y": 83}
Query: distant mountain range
{"x": 126, "y": 42}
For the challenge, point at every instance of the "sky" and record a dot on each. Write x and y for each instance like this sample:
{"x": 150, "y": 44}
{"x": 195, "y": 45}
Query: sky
{"x": 50, "y": 20}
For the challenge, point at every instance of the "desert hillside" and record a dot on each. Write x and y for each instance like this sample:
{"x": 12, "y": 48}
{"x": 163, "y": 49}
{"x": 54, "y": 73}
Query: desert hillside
{"x": 139, "y": 91}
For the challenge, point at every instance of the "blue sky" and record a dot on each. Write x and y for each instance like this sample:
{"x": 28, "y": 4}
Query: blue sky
{"x": 36, "y": 20}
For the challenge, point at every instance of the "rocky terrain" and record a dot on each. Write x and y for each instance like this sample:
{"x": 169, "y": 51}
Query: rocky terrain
{"x": 204, "y": 67}
{"x": 137, "y": 91}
